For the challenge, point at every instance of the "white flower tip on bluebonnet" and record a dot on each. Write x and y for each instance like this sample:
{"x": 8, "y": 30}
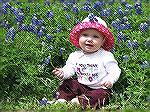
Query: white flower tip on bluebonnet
{"x": 99, "y": 20}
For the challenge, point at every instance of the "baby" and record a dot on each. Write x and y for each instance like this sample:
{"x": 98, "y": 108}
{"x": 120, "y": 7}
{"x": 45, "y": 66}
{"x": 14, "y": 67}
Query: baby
{"x": 94, "y": 65}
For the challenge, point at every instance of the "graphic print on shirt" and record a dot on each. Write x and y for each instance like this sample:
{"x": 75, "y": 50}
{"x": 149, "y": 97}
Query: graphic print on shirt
{"x": 87, "y": 72}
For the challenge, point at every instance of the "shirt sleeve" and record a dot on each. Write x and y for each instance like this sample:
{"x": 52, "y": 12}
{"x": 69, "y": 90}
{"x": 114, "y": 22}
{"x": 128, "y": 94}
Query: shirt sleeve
{"x": 69, "y": 68}
{"x": 112, "y": 69}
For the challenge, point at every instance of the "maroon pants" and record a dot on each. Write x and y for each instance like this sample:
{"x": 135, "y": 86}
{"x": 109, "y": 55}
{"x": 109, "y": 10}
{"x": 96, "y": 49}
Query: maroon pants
{"x": 71, "y": 88}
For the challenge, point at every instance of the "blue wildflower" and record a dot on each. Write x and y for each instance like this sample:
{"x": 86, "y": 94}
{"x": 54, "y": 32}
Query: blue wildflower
{"x": 124, "y": 20}
{"x": 92, "y": 18}
{"x": 47, "y": 60}
{"x": 43, "y": 101}
{"x": 106, "y": 12}
{"x": 27, "y": 9}
{"x": 20, "y": 17}
{"x": 111, "y": 2}
{"x": 11, "y": 34}
{"x": 113, "y": 50}
{"x": 98, "y": 5}
{"x": 121, "y": 37}
{"x": 75, "y": 10}
{"x": 125, "y": 57}
{"x": 58, "y": 29}
{"x": 32, "y": 28}
{"x": 139, "y": 10}
{"x": 40, "y": 34}
{"x": 50, "y": 14}
{"x": 47, "y": 2}
{"x": 135, "y": 44}
{"x": 34, "y": 20}
{"x": 40, "y": 22}
{"x": 61, "y": 51}
{"x": 137, "y": 4}
{"x": 86, "y": 7}
{"x": 50, "y": 47}
{"x": 68, "y": 17}
{"x": 123, "y": 2}
{"x": 128, "y": 6}
{"x": 22, "y": 27}
{"x": 143, "y": 27}
{"x": 42, "y": 28}
{"x": 129, "y": 44}
{"x": 145, "y": 64}
{"x": 48, "y": 37}
{"x": 120, "y": 11}
{"x": 148, "y": 43}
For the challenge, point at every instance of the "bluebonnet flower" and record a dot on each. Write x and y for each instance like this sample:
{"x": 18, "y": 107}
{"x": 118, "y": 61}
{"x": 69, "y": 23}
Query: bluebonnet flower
{"x": 111, "y": 2}
{"x": 58, "y": 29}
{"x": 50, "y": 47}
{"x": 148, "y": 43}
{"x": 139, "y": 10}
{"x": 68, "y": 17}
{"x": 27, "y": 9}
{"x": 123, "y": 2}
{"x": 120, "y": 11}
{"x": 143, "y": 27}
{"x": 11, "y": 34}
{"x": 4, "y": 8}
{"x": 125, "y": 57}
{"x": 145, "y": 64}
{"x": 40, "y": 34}
{"x": 129, "y": 44}
{"x": 40, "y": 22}
{"x": 5, "y": 24}
{"x": 135, "y": 44}
{"x": 75, "y": 10}
{"x": 127, "y": 25}
{"x": 50, "y": 14}
{"x": 128, "y": 6}
{"x": 47, "y": 2}
{"x": 34, "y": 20}
{"x": 61, "y": 51}
{"x": 124, "y": 20}
{"x": 20, "y": 17}
{"x": 98, "y": 5}
{"x": 86, "y": 7}
{"x": 137, "y": 4}
{"x": 47, "y": 60}
{"x": 121, "y": 37}
{"x": 92, "y": 18}
{"x": 106, "y": 12}
{"x": 32, "y": 28}
{"x": 116, "y": 23}
{"x": 48, "y": 37}
{"x": 22, "y": 27}
{"x": 42, "y": 28}
{"x": 43, "y": 101}
{"x": 113, "y": 50}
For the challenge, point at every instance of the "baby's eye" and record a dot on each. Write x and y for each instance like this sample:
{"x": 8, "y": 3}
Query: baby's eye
{"x": 95, "y": 36}
{"x": 84, "y": 34}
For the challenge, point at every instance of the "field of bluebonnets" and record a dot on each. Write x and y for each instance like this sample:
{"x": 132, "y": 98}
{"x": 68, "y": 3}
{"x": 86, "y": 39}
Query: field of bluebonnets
{"x": 34, "y": 39}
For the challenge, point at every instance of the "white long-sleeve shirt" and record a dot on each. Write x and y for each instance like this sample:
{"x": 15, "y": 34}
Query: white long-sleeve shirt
{"x": 92, "y": 69}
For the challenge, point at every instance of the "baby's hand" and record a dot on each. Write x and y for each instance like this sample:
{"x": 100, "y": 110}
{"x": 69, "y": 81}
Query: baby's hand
{"x": 107, "y": 84}
{"x": 58, "y": 72}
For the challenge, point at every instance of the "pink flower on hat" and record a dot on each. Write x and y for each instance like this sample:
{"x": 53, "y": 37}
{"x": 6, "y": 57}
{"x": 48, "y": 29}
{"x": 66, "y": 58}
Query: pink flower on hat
{"x": 96, "y": 23}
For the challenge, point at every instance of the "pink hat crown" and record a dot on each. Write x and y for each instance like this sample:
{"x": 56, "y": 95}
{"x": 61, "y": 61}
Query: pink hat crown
{"x": 92, "y": 22}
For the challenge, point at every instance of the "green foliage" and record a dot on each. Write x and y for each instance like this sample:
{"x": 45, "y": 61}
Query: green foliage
{"x": 24, "y": 74}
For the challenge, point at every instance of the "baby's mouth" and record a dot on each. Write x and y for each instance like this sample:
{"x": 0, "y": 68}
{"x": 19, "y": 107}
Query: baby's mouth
{"x": 89, "y": 45}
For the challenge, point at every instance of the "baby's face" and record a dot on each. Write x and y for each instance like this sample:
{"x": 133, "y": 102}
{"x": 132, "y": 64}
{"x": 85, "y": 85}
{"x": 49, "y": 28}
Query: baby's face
{"x": 91, "y": 40}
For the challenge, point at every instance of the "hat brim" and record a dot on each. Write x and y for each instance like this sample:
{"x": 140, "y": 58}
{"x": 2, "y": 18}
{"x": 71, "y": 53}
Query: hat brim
{"x": 75, "y": 33}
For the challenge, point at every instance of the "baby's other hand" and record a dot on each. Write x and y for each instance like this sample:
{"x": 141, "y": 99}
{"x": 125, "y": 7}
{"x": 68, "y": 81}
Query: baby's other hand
{"x": 58, "y": 72}
{"x": 107, "y": 84}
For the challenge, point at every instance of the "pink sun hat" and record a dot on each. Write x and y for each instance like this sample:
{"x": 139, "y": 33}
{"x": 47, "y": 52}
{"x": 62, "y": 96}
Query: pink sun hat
{"x": 92, "y": 22}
